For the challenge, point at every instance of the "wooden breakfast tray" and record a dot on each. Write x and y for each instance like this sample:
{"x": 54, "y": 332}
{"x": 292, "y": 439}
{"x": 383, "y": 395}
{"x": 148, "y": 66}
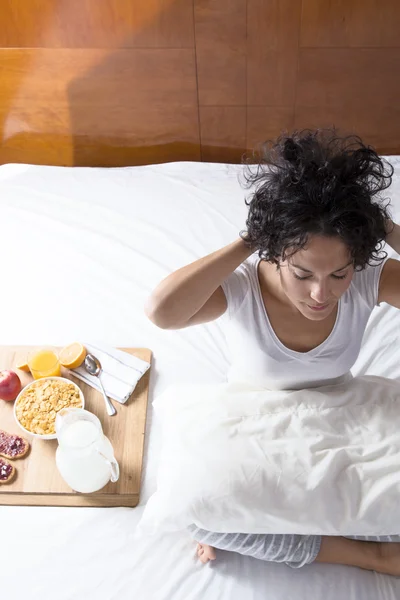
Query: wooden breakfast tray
{"x": 38, "y": 482}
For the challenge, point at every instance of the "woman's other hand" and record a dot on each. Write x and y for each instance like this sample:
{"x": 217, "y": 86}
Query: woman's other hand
{"x": 393, "y": 235}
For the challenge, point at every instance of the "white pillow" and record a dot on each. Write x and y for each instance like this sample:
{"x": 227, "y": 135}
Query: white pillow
{"x": 240, "y": 459}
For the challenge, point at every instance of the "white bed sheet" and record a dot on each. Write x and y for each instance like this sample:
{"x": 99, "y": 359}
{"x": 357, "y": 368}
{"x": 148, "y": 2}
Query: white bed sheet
{"x": 81, "y": 249}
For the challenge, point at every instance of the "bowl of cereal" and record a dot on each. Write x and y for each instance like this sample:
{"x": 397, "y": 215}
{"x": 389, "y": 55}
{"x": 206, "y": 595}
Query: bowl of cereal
{"x": 37, "y": 405}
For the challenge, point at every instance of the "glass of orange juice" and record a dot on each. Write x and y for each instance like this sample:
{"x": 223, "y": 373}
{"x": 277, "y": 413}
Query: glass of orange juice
{"x": 44, "y": 362}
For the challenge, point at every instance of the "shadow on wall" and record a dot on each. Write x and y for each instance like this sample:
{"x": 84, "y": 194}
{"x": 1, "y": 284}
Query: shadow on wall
{"x": 139, "y": 104}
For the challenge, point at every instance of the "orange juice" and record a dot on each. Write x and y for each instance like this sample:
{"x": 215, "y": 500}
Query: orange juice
{"x": 44, "y": 363}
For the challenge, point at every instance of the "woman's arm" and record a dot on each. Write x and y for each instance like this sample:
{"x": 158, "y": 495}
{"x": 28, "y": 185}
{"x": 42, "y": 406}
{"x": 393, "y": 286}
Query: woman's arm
{"x": 193, "y": 289}
{"x": 393, "y": 235}
{"x": 389, "y": 284}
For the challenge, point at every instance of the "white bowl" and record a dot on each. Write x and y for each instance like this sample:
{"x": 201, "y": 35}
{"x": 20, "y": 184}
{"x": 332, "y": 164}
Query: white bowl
{"x": 49, "y": 436}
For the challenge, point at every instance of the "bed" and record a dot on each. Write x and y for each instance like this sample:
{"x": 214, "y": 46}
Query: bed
{"x": 81, "y": 250}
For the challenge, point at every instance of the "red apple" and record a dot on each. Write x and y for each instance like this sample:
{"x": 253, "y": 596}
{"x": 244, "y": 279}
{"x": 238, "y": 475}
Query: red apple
{"x": 10, "y": 385}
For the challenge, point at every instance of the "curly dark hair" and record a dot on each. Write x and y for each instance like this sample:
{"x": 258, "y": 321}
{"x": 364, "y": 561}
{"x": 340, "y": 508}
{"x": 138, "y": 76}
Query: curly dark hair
{"x": 314, "y": 182}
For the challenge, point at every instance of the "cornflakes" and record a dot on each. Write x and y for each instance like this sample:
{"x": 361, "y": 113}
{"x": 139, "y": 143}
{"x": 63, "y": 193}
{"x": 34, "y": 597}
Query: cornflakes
{"x": 38, "y": 406}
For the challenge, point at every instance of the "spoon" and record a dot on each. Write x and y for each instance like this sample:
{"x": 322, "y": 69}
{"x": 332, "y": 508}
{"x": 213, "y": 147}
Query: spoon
{"x": 93, "y": 367}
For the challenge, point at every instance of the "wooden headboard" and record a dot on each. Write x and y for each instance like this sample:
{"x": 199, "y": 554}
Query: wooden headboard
{"x": 130, "y": 82}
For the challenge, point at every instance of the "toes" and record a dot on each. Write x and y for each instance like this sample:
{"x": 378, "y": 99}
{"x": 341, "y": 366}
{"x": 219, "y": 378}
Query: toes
{"x": 202, "y": 554}
{"x": 203, "y": 559}
{"x": 205, "y": 553}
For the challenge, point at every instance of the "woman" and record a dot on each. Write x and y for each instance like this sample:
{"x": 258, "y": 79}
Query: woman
{"x": 296, "y": 291}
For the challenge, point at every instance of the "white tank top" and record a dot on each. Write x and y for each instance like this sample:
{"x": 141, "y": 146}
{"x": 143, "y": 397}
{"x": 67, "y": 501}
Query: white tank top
{"x": 259, "y": 358}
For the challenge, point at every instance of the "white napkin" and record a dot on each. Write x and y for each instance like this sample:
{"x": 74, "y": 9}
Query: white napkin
{"x": 120, "y": 371}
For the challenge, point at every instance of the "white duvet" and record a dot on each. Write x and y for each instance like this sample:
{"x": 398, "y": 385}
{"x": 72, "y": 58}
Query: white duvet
{"x": 320, "y": 461}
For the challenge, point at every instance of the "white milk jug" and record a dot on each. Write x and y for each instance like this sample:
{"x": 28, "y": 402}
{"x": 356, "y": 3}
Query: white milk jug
{"x": 85, "y": 456}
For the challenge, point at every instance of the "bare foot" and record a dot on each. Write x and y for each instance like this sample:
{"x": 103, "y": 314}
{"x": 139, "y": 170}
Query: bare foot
{"x": 205, "y": 553}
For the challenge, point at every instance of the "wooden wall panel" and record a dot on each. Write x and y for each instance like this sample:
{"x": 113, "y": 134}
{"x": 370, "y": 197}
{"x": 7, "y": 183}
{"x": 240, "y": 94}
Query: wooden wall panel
{"x": 122, "y": 82}
{"x": 223, "y": 133}
{"x": 135, "y": 99}
{"x": 350, "y": 23}
{"x": 272, "y": 51}
{"x": 378, "y": 127}
{"x": 220, "y": 34}
{"x": 96, "y": 24}
{"x": 145, "y": 78}
{"x": 233, "y": 73}
{"x": 355, "y": 89}
{"x": 267, "y": 122}
{"x": 221, "y": 52}
{"x": 338, "y": 77}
